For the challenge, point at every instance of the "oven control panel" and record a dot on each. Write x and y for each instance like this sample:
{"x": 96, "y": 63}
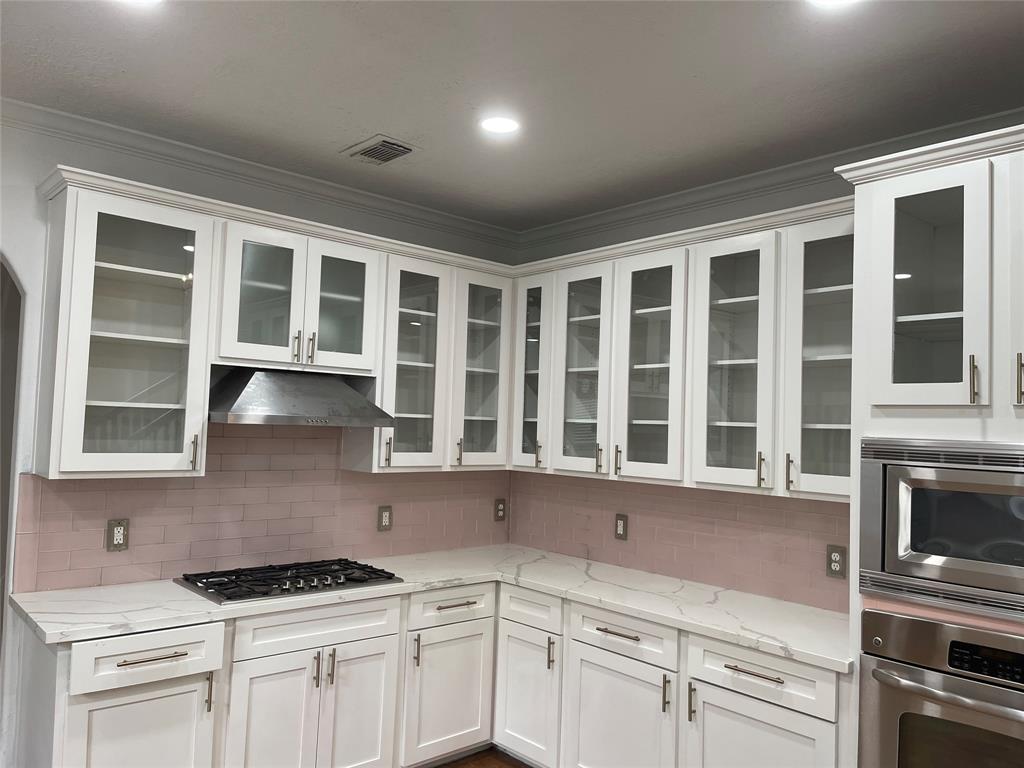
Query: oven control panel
{"x": 983, "y": 660}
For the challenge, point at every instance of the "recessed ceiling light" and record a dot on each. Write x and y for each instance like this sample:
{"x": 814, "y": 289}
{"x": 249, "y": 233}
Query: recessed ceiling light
{"x": 832, "y": 4}
{"x": 902, "y": 275}
{"x": 499, "y": 125}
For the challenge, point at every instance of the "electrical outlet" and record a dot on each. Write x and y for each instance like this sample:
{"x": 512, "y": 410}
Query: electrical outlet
{"x": 500, "y": 510}
{"x": 622, "y": 527}
{"x": 835, "y": 561}
{"x": 385, "y": 518}
{"x": 117, "y": 535}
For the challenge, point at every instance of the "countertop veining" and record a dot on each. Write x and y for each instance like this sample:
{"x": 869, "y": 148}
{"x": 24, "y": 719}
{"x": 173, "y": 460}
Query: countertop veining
{"x": 792, "y": 630}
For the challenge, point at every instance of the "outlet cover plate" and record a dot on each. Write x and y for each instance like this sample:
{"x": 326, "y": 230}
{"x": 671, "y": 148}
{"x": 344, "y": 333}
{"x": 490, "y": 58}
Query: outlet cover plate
{"x": 500, "y": 510}
{"x": 117, "y": 535}
{"x": 621, "y": 527}
{"x": 385, "y": 518}
{"x": 835, "y": 561}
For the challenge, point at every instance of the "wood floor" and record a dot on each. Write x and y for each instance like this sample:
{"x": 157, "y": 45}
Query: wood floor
{"x": 489, "y": 758}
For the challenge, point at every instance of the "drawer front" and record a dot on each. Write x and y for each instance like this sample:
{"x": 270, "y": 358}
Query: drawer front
{"x": 286, "y": 631}
{"x": 447, "y": 606}
{"x": 114, "y": 662}
{"x": 616, "y": 632}
{"x": 534, "y": 609}
{"x": 787, "y": 683}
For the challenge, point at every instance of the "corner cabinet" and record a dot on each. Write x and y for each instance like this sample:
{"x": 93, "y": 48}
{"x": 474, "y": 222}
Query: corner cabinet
{"x": 481, "y": 366}
{"x": 531, "y": 423}
{"x": 417, "y": 362}
{"x": 131, "y": 366}
{"x": 291, "y": 299}
{"x": 734, "y": 360}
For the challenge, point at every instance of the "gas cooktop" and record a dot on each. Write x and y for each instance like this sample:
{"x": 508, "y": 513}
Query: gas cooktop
{"x": 263, "y": 581}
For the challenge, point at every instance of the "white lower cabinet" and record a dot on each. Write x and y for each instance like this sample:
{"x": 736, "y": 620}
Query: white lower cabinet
{"x": 448, "y": 681}
{"x": 166, "y": 724}
{"x": 730, "y": 730}
{"x": 618, "y": 711}
{"x": 527, "y": 692}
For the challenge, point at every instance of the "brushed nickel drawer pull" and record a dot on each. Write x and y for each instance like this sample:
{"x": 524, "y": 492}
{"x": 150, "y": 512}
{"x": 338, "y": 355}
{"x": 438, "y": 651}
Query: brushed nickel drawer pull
{"x": 458, "y": 457}
{"x": 152, "y": 659}
{"x": 789, "y": 471}
{"x": 551, "y": 652}
{"x": 598, "y": 453}
{"x": 209, "y": 691}
{"x": 331, "y": 661}
{"x": 387, "y": 452}
{"x": 691, "y": 710}
{"x": 760, "y": 469}
{"x": 466, "y": 604}
{"x": 297, "y": 348}
{"x": 618, "y": 460}
{"x": 665, "y": 682}
{"x": 972, "y": 374}
{"x": 312, "y": 347}
{"x": 536, "y": 456}
{"x": 1020, "y": 378}
{"x": 416, "y": 650}
{"x": 316, "y": 669}
{"x": 195, "y": 449}
{"x": 752, "y": 673}
{"x": 623, "y": 635}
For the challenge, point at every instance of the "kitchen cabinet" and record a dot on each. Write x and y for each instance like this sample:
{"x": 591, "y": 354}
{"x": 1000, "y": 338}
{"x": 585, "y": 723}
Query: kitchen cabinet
{"x": 734, "y": 360}
{"x": 725, "y": 729}
{"x": 581, "y": 365}
{"x": 535, "y": 299}
{"x": 617, "y": 711}
{"x": 297, "y": 300}
{"x": 648, "y": 365}
{"x": 448, "y": 686}
{"x": 1009, "y": 247}
{"x": 131, "y": 367}
{"x": 928, "y": 237}
{"x": 417, "y": 362}
{"x": 817, "y": 356}
{"x": 527, "y": 692}
{"x": 168, "y": 723}
{"x": 481, "y": 370}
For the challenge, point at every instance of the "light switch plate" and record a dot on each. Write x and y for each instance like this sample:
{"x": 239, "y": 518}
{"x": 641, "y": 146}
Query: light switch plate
{"x": 385, "y": 518}
{"x": 621, "y": 527}
{"x": 117, "y": 535}
{"x": 835, "y": 561}
{"x": 500, "y": 510}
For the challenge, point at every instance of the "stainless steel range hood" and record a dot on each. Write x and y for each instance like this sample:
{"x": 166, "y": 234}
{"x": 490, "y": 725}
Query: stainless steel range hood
{"x": 264, "y": 396}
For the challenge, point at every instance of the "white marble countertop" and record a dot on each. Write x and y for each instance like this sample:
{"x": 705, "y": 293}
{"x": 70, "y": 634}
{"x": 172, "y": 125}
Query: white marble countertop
{"x": 796, "y": 631}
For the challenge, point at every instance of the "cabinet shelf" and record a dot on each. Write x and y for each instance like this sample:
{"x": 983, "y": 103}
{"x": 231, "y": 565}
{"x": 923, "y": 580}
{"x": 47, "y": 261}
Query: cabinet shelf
{"x": 134, "y": 338}
{"x": 263, "y": 285}
{"x": 343, "y": 297}
{"x": 530, "y": 419}
{"x": 829, "y": 294}
{"x": 414, "y": 415}
{"x": 745, "y": 424}
{"x": 734, "y": 300}
{"x": 825, "y": 426}
{"x": 931, "y": 316}
{"x": 828, "y": 358}
{"x": 413, "y": 364}
{"x": 580, "y": 421}
{"x": 483, "y": 323}
{"x": 652, "y": 310}
{"x": 470, "y": 369}
{"x": 593, "y": 369}
{"x": 135, "y": 404}
{"x": 151, "y": 276}
{"x": 584, "y": 318}
{"x": 650, "y": 422}
{"x": 737, "y": 361}
{"x": 479, "y": 418}
{"x": 417, "y": 312}
{"x": 531, "y": 373}
{"x": 650, "y": 366}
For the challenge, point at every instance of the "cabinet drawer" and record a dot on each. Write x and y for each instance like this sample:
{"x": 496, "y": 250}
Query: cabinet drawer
{"x": 764, "y": 676}
{"x": 314, "y": 627}
{"x": 534, "y": 609}
{"x": 447, "y": 606}
{"x": 637, "y": 638}
{"x": 114, "y": 662}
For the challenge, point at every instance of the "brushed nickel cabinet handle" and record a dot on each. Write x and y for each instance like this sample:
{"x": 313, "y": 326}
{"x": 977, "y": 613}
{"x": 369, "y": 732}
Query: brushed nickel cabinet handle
{"x": 789, "y": 471}
{"x": 665, "y": 682}
{"x": 458, "y": 446}
{"x": 312, "y": 347}
{"x": 297, "y": 346}
{"x": 752, "y": 673}
{"x": 551, "y": 652}
{"x": 623, "y": 635}
{"x": 331, "y": 661}
{"x": 536, "y": 456}
{"x": 691, "y": 710}
{"x": 618, "y": 460}
{"x": 760, "y": 469}
{"x": 466, "y": 604}
{"x": 387, "y": 452}
{"x": 316, "y": 669}
{"x": 195, "y": 449}
{"x": 209, "y": 691}
{"x": 972, "y": 375}
{"x": 1020, "y": 378}
{"x": 152, "y": 659}
{"x": 416, "y": 650}
{"x": 598, "y": 453}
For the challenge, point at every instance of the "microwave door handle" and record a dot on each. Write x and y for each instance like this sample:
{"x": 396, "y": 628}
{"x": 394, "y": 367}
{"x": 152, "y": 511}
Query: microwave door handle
{"x": 943, "y": 697}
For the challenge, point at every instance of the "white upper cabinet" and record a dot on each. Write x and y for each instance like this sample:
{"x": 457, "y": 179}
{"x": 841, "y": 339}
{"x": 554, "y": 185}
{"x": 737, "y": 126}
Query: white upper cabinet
{"x": 1008, "y": 224}
{"x": 298, "y": 300}
{"x": 648, "y": 365}
{"x": 817, "y": 347}
{"x": 481, "y": 368}
{"x": 416, "y": 362}
{"x": 581, "y": 361}
{"x": 532, "y": 330}
{"x": 135, "y": 302}
{"x": 928, "y": 237}
{"x": 733, "y": 360}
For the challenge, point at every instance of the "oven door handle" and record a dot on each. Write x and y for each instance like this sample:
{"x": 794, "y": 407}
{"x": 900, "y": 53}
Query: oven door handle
{"x": 943, "y": 697}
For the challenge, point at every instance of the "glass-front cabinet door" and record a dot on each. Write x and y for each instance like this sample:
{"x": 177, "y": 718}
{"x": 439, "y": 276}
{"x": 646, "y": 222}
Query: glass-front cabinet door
{"x": 648, "y": 366}
{"x": 263, "y": 288}
{"x": 581, "y": 360}
{"x": 535, "y": 298}
{"x": 817, "y": 351}
{"x": 479, "y": 408}
{"x": 136, "y": 331}
{"x": 733, "y": 360}
{"x": 930, "y": 250}
{"x": 417, "y": 362}
{"x": 341, "y": 315}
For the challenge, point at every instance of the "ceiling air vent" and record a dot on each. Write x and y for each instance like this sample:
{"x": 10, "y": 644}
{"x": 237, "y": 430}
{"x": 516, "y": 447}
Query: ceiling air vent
{"x": 378, "y": 150}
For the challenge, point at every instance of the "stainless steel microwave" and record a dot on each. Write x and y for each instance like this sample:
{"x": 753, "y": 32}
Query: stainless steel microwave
{"x": 943, "y": 521}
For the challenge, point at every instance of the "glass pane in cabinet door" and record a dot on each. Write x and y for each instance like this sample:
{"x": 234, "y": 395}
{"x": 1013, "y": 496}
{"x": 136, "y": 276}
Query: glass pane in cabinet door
{"x": 342, "y": 304}
{"x": 827, "y": 355}
{"x": 139, "y": 342}
{"x": 414, "y": 370}
{"x": 265, "y": 295}
{"x": 483, "y": 359}
{"x": 928, "y": 287}
{"x": 531, "y": 370}
{"x": 732, "y": 360}
{"x": 650, "y": 326}
{"x": 582, "y": 353}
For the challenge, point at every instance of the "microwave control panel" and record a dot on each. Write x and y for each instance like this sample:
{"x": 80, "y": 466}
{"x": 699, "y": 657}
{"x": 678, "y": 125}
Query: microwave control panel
{"x": 984, "y": 660}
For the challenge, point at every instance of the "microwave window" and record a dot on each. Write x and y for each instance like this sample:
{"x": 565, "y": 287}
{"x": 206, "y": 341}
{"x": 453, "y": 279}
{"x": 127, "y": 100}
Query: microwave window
{"x": 985, "y": 527}
{"x": 931, "y": 742}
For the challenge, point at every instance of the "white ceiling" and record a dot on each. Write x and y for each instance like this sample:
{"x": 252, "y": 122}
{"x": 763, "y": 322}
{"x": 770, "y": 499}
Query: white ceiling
{"x": 620, "y": 101}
